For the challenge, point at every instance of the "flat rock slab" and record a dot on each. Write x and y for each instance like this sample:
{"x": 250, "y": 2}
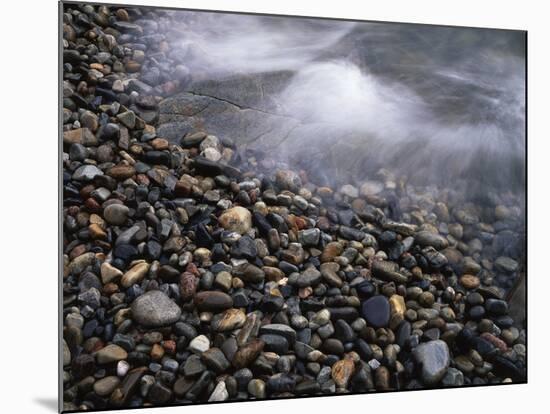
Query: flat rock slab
{"x": 247, "y": 110}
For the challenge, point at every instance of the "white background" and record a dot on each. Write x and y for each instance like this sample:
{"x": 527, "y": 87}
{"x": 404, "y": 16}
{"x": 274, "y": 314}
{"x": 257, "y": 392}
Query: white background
{"x": 28, "y": 189}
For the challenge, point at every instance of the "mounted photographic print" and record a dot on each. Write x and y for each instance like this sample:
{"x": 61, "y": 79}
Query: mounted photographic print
{"x": 263, "y": 207}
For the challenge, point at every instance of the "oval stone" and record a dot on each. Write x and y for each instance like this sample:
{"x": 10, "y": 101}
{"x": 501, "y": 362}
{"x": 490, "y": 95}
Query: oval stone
{"x": 155, "y": 308}
{"x": 376, "y": 311}
{"x": 213, "y": 301}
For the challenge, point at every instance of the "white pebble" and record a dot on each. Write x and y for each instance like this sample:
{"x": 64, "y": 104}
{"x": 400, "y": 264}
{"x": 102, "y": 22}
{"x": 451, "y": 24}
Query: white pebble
{"x": 199, "y": 344}
{"x": 122, "y": 368}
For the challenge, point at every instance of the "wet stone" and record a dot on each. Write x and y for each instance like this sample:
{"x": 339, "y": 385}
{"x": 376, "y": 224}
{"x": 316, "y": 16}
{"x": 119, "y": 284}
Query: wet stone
{"x": 155, "y": 309}
{"x": 433, "y": 359}
{"x": 213, "y": 301}
{"x": 496, "y": 307}
{"x": 110, "y": 353}
{"x": 199, "y": 344}
{"x": 309, "y": 277}
{"x": 237, "y": 219}
{"x": 105, "y": 386}
{"x": 229, "y": 320}
{"x": 279, "y": 383}
{"x": 388, "y": 271}
{"x": 426, "y": 238}
{"x": 159, "y": 393}
{"x": 215, "y": 360}
{"x": 275, "y": 343}
{"x": 309, "y": 237}
{"x": 193, "y": 366}
{"x": 376, "y": 311}
{"x": 247, "y": 354}
{"x": 279, "y": 329}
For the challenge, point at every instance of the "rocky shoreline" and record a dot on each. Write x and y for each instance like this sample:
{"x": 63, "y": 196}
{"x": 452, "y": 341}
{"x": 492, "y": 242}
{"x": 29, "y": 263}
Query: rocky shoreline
{"x": 190, "y": 277}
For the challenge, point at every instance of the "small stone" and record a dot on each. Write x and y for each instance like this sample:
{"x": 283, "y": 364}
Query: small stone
{"x": 321, "y": 318}
{"x": 135, "y": 274}
{"x": 248, "y": 354}
{"x": 229, "y": 320}
{"x": 376, "y": 311}
{"x": 397, "y": 305}
{"x": 506, "y": 264}
{"x": 389, "y": 271}
{"x": 155, "y": 308}
{"x": 89, "y": 120}
{"x": 309, "y": 277}
{"x": 215, "y": 360}
{"x": 382, "y": 378}
{"x": 81, "y": 262}
{"x": 237, "y": 219}
{"x": 433, "y": 357}
{"x": 279, "y": 329}
{"x": 193, "y": 366}
{"x": 342, "y": 372}
{"x": 288, "y": 180}
{"x": 223, "y": 280}
{"x": 199, "y": 344}
{"x": 464, "y": 364}
{"x": 212, "y": 154}
{"x": 280, "y": 383}
{"x": 66, "y": 354}
{"x": 122, "y": 172}
{"x": 192, "y": 140}
{"x": 469, "y": 281}
{"x": 275, "y": 343}
{"x": 86, "y": 173}
{"x": 331, "y": 250}
{"x": 349, "y": 191}
{"x": 220, "y": 393}
{"x": 105, "y": 386}
{"x": 128, "y": 119}
{"x": 496, "y": 307}
{"x": 249, "y": 273}
{"x": 329, "y": 272}
{"x": 426, "y": 238}
{"x": 159, "y": 393}
{"x": 256, "y": 388}
{"x": 426, "y": 299}
{"x": 109, "y": 273}
{"x": 188, "y": 285}
{"x": 90, "y": 297}
{"x": 116, "y": 214}
{"x": 110, "y": 353}
{"x": 122, "y": 368}
{"x": 96, "y": 232}
{"x": 213, "y": 301}
{"x": 294, "y": 254}
{"x": 309, "y": 237}
{"x": 453, "y": 378}
{"x": 80, "y": 136}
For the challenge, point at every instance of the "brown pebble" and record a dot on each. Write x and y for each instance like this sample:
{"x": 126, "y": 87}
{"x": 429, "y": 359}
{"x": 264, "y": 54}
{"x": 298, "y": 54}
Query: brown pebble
{"x": 469, "y": 281}
{"x": 213, "y": 301}
{"x": 248, "y": 353}
{"x": 121, "y": 171}
{"x": 342, "y": 372}
{"x": 157, "y": 352}
{"x": 382, "y": 378}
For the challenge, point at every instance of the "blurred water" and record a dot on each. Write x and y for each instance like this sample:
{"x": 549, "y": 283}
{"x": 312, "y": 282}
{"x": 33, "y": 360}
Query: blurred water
{"x": 434, "y": 103}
